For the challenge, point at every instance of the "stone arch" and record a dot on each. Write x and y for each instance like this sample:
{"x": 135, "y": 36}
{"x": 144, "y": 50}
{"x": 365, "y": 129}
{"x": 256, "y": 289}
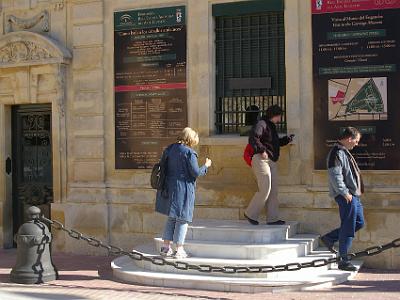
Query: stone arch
{"x": 33, "y": 69}
{"x": 24, "y": 48}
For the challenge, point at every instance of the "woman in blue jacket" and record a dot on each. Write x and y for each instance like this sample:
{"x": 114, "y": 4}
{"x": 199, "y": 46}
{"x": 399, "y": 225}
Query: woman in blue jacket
{"x": 177, "y": 199}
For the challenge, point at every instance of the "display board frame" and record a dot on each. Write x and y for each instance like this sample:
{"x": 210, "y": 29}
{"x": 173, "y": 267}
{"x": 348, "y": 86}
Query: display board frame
{"x": 150, "y": 83}
{"x": 356, "y": 79}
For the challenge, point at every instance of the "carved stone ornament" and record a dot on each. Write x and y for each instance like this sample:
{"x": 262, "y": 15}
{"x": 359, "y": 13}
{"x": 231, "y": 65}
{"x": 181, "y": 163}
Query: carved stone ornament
{"x": 28, "y": 23}
{"x": 23, "y": 52}
{"x": 58, "y": 5}
{"x": 24, "y": 48}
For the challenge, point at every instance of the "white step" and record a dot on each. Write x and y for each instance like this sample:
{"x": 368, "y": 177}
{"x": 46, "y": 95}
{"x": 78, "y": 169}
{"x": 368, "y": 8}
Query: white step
{"x": 311, "y": 240}
{"x": 125, "y": 269}
{"x": 233, "y": 262}
{"x": 239, "y": 231}
{"x": 289, "y": 249}
{"x": 237, "y": 243}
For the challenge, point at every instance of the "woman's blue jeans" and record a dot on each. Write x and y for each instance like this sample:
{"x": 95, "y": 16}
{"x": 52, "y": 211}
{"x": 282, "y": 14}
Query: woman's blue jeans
{"x": 175, "y": 230}
{"x": 352, "y": 220}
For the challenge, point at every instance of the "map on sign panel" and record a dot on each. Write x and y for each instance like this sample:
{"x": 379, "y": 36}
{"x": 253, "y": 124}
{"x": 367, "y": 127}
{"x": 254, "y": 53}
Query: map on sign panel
{"x": 357, "y": 99}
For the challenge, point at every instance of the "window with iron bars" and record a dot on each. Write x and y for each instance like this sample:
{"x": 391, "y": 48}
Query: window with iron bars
{"x": 250, "y": 69}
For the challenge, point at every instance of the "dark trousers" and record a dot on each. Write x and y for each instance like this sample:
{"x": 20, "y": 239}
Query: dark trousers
{"x": 351, "y": 220}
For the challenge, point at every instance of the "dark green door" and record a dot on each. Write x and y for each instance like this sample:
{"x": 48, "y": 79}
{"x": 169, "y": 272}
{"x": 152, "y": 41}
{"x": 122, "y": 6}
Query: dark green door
{"x": 32, "y": 160}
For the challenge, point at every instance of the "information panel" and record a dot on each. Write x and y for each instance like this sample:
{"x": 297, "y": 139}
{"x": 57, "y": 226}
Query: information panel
{"x": 150, "y": 83}
{"x": 356, "y": 78}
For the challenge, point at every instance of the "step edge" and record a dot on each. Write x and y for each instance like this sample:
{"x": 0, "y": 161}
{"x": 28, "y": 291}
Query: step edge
{"x": 215, "y": 243}
{"x": 227, "y": 280}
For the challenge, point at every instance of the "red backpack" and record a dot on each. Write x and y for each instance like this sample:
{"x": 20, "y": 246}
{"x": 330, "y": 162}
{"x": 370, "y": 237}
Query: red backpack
{"x": 248, "y": 154}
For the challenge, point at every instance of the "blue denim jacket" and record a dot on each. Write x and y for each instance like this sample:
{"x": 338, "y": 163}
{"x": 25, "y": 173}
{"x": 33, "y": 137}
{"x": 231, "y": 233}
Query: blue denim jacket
{"x": 342, "y": 176}
{"x": 182, "y": 171}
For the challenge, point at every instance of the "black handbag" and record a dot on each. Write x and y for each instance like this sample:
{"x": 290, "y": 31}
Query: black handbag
{"x": 159, "y": 172}
{"x": 155, "y": 178}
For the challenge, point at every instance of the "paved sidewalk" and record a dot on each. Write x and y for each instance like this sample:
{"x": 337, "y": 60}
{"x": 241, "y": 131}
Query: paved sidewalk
{"x": 90, "y": 277}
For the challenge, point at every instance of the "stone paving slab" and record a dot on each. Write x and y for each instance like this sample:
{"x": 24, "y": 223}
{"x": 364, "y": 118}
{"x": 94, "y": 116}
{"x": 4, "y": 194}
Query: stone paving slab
{"x": 90, "y": 277}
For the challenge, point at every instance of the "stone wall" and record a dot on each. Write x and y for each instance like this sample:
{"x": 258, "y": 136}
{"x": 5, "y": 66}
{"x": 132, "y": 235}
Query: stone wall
{"x": 117, "y": 206}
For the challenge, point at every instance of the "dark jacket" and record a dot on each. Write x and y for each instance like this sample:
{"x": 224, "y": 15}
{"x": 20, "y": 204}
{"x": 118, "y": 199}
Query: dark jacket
{"x": 264, "y": 138}
{"x": 182, "y": 171}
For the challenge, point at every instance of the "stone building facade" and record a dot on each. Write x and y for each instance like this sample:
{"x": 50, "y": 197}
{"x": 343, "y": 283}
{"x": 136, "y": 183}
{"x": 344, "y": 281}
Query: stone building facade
{"x": 61, "y": 52}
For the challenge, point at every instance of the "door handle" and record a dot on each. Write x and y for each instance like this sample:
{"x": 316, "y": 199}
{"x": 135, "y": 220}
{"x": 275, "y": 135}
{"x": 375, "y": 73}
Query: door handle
{"x": 8, "y": 166}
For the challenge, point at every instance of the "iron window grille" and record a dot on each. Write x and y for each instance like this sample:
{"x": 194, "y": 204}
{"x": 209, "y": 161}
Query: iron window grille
{"x": 250, "y": 69}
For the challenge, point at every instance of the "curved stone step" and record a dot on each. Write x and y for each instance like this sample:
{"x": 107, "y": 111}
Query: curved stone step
{"x": 290, "y": 249}
{"x": 239, "y": 231}
{"x": 125, "y": 269}
{"x": 236, "y": 251}
{"x": 146, "y": 265}
{"x": 237, "y": 243}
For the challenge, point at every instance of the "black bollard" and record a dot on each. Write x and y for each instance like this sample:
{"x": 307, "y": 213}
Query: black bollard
{"x": 34, "y": 263}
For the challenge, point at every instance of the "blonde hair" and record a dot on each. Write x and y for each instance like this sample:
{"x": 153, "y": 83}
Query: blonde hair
{"x": 188, "y": 137}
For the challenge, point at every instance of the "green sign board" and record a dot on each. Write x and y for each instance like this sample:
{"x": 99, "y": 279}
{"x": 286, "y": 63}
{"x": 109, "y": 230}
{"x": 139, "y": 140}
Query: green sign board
{"x": 149, "y": 18}
{"x": 149, "y": 83}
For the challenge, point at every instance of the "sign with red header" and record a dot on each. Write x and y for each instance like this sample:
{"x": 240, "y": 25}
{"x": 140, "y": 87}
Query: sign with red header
{"x": 150, "y": 86}
{"x": 356, "y": 79}
{"x": 333, "y": 6}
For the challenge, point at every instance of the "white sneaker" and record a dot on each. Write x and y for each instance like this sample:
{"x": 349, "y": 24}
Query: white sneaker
{"x": 166, "y": 251}
{"x": 180, "y": 253}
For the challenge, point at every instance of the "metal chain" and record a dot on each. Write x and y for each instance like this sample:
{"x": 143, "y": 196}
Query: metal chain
{"x": 181, "y": 265}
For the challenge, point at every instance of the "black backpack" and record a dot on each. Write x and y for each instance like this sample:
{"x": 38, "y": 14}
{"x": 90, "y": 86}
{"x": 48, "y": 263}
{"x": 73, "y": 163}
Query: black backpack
{"x": 159, "y": 172}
